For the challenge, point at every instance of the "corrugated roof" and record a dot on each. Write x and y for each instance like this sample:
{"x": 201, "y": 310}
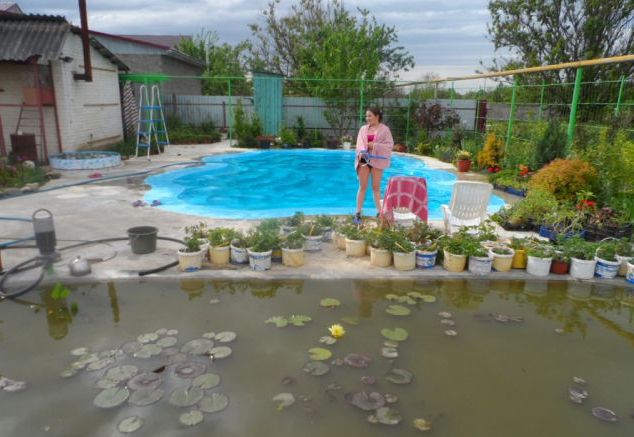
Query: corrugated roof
{"x": 171, "y": 41}
{"x": 25, "y": 36}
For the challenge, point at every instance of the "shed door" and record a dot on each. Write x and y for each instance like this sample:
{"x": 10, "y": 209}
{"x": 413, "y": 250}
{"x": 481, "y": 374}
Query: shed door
{"x": 268, "y": 101}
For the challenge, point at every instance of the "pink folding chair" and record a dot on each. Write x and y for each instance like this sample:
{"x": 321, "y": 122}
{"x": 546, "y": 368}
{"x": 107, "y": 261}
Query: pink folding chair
{"x": 405, "y": 192}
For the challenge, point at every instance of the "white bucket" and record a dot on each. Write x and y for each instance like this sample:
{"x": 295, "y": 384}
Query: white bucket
{"x": 480, "y": 265}
{"x": 426, "y": 260}
{"x": 239, "y": 255}
{"x": 260, "y": 261}
{"x": 606, "y": 269}
{"x": 327, "y": 235}
{"x": 404, "y": 261}
{"x": 313, "y": 244}
{"x": 355, "y": 248}
{"x": 340, "y": 241}
{"x": 582, "y": 269}
{"x": 629, "y": 276}
{"x": 190, "y": 261}
{"x": 539, "y": 266}
{"x": 380, "y": 257}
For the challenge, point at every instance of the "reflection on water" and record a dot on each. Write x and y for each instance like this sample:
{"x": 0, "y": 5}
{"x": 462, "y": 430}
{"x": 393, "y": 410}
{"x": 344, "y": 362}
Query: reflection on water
{"x": 114, "y": 302}
{"x": 58, "y": 315}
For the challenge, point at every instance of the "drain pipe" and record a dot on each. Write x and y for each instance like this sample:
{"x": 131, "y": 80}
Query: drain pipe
{"x": 85, "y": 42}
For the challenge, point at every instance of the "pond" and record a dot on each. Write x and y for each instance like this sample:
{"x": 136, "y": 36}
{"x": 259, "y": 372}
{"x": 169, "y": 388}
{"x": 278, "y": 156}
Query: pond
{"x": 508, "y": 370}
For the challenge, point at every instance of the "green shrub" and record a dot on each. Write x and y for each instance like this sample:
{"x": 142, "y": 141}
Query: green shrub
{"x": 565, "y": 178}
{"x": 551, "y": 145}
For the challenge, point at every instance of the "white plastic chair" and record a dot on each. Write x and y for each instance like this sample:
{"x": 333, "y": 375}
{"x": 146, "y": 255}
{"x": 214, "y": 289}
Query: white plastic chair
{"x": 468, "y": 206}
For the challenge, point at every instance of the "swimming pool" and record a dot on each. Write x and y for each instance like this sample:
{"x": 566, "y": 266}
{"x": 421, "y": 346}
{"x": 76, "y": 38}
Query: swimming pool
{"x": 276, "y": 183}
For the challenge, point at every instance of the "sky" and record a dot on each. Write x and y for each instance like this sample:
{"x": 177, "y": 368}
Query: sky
{"x": 447, "y": 38}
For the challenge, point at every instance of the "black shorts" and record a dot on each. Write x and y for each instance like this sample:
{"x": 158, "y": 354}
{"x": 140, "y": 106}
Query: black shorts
{"x": 362, "y": 161}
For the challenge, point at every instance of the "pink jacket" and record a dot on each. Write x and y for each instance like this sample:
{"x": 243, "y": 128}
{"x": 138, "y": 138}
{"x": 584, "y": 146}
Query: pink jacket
{"x": 383, "y": 144}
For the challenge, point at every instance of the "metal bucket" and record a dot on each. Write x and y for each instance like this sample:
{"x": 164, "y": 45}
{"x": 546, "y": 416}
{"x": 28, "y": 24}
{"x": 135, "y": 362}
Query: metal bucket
{"x": 143, "y": 239}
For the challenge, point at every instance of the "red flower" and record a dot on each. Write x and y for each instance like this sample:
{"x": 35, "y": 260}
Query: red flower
{"x": 586, "y": 204}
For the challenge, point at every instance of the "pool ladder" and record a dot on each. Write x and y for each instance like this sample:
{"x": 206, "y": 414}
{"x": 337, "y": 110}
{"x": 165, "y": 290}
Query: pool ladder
{"x": 148, "y": 127}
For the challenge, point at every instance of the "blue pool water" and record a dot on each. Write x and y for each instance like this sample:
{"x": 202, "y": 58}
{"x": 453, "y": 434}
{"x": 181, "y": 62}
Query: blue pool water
{"x": 276, "y": 183}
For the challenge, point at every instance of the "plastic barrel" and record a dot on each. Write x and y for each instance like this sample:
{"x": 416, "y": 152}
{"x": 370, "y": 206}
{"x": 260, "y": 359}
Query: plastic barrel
{"x": 143, "y": 239}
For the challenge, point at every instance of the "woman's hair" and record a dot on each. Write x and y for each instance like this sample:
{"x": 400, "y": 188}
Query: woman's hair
{"x": 376, "y": 111}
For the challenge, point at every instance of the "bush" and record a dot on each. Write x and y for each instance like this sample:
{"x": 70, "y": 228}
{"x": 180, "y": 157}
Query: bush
{"x": 491, "y": 154}
{"x": 18, "y": 175}
{"x": 551, "y": 145}
{"x": 565, "y": 177}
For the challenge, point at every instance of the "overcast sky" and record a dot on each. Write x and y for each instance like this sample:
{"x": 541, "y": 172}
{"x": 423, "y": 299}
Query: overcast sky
{"x": 447, "y": 38}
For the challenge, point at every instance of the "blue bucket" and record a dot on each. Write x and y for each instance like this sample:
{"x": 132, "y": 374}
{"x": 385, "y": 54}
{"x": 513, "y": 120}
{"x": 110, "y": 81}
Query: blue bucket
{"x": 425, "y": 260}
{"x": 606, "y": 269}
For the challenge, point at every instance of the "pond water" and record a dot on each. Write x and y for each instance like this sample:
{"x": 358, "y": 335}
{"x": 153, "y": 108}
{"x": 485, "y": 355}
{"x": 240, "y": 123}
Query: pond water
{"x": 506, "y": 372}
{"x": 276, "y": 183}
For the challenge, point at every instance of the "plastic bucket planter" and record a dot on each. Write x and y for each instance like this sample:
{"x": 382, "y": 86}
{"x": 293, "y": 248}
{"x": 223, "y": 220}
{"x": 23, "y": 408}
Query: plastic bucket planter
{"x": 219, "y": 255}
{"x": 293, "y": 257}
{"x": 340, "y": 241}
{"x": 239, "y": 255}
{"x": 380, "y": 257}
{"x": 538, "y": 266}
{"x": 582, "y": 269}
{"x": 623, "y": 267}
{"x": 480, "y": 265}
{"x": 454, "y": 263}
{"x": 288, "y": 229}
{"x": 404, "y": 261}
{"x": 426, "y": 260}
{"x": 606, "y": 269}
{"x": 502, "y": 262}
{"x": 327, "y": 234}
{"x": 629, "y": 275}
{"x": 190, "y": 261}
{"x": 143, "y": 239}
{"x": 355, "y": 248}
{"x": 260, "y": 261}
{"x": 313, "y": 244}
{"x": 519, "y": 259}
{"x": 204, "y": 246}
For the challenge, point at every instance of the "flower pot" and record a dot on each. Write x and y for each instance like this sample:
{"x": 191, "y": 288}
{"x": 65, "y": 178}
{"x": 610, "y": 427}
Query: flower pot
{"x": 276, "y": 255}
{"x": 538, "y": 266}
{"x": 404, "y": 261}
{"x": 293, "y": 257}
{"x": 629, "y": 275}
{"x": 454, "y": 263}
{"x": 559, "y": 267}
{"x": 204, "y": 246}
{"x": 288, "y": 229}
{"x": 606, "y": 269}
{"x": 480, "y": 265}
{"x": 425, "y": 259}
{"x": 463, "y": 165}
{"x": 623, "y": 267}
{"x": 219, "y": 255}
{"x": 347, "y": 145}
{"x": 519, "y": 259}
{"x": 327, "y": 234}
{"x": 380, "y": 257}
{"x": 313, "y": 244}
{"x": 340, "y": 241}
{"x": 355, "y": 247}
{"x": 501, "y": 262}
{"x": 582, "y": 269}
{"x": 190, "y": 261}
{"x": 259, "y": 261}
{"x": 239, "y": 255}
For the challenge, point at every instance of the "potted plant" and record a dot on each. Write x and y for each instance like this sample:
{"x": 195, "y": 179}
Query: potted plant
{"x": 355, "y": 240}
{"x": 561, "y": 260}
{"x": 562, "y": 220}
{"x": 426, "y": 254}
{"x": 607, "y": 264}
{"x": 199, "y": 232}
{"x": 502, "y": 258}
{"x": 346, "y": 140}
{"x": 624, "y": 254}
{"x": 314, "y": 235}
{"x": 262, "y": 244}
{"x": 340, "y": 237}
{"x": 239, "y": 245}
{"x": 403, "y": 251}
{"x": 519, "y": 258}
{"x": 480, "y": 261}
{"x": 540, "y": 257}
{"x": 272, "y": 226}
{"x": 288, "y": 137}
{"x": 327, "y": 222}
{"x": 455, "y": 250}
{"x": 463, "y": 160}
{"x": 190, "y": 257}
{"x": 582, "y": 262}
{"x": 293, "y": 250}
{"x": 380, "y": 242}
{"x": 291, "y": 223}
{"x": 219, "y": 245}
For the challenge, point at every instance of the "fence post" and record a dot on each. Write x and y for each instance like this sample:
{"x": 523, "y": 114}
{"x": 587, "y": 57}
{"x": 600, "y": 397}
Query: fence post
{"x": 619, "y": 99}
{"x": 230, "y": 111}
{"x": 509, "y": 129}
{"x": 573, "y": 106}
{"x": 361, "y": 102}
{"x": 452, "y": 95}
{"x": 541, "y": 101}
{"x": 409, "y": 103}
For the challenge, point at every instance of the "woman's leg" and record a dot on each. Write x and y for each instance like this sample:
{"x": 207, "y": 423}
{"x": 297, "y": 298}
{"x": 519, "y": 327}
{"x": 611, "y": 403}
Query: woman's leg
{"x": 363, "y": 173}
{"x": 377, "y": 175}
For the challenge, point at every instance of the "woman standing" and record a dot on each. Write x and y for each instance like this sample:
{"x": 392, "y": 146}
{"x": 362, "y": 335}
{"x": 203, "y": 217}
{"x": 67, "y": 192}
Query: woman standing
{"x": 375, "y": 140}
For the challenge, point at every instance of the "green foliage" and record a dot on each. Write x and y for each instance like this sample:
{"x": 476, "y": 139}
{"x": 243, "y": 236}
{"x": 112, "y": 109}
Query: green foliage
{"x": 197, "y": 231}
{"x": 294, "y": 240}
{"x": 624, "y": 247}
{"x": 300, "y": 129}
{"x": 433, "y": 117}
{"x": 579, "y": 248}
{"x": 311, "y": 229}
{"x": 422, "y": 233}
{"x": 533, "y": 207}
{"x": 459, "y": 243}
{"x": 540, "y": 250}
{"x": 245, "y": 131}
{"x": 552, "y": 145}
{"x": 270, "y": 226}
{"x": 239, "y": 239}
{"x": 262, "y": 241}
{"x": 192, "y": 245}
{"x": 187, "y": 133}
{"x": 565, "y": 178}
{"x": 400, "y": 242}
{"x": 17, "y": 175}
{"x": 353, "y": 232}
{"x": 607, "y": 250}
{"x": 326, "y": 221}
{"x": 492, "y": 153}
{"x": 509, "y": 178}
{"x": 288, "y": 136}
{"x": 295, "y": 220}
{"x": 59, "y": 291}
{"x": 219, "y": 237}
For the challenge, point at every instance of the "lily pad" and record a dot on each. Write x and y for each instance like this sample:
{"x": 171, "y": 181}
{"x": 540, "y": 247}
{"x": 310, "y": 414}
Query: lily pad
{"x": 214, "y": 403}
{"x": 11, "y": 385}
{"x": 415, "y": 295}
{"x": 283, "y": 400}
{"x": 166, "y": 342}
{"x": 67, "y": 373}
{"x": 206, "y": 381}
{"x": 199, "y": 346}
{"x": 226, "y": 336}
{"x": 189, "y": 369}
{"x": 422, "y": 424}
{"x": 398, "y": 310}
{"x": 108, "y": 353}
{"x": 148, "y": 338}
{"x": 131, "y": 347}
{"x": 316, "y": 368}
{"x": 605, "y": 414}
{"x": 388, "y": 416}
{"x": 399, "y": 376}
{"x": 299, "y": 319}
{"x": 319, "y": 354}
{"x": 451, "y": 332}
{"x": 186, "y": 396}
{"x": 161, "y": 331}
{"x": 447, "y": 322}
{"x": 396, "y": 334}
{"x": 350, "y": 320}
{"x": 100, "y": 364}
{"x": 365, "y": 401}
{"x": 121, "y": 373}
{"x": 390, "y": 398}
{"x": 429, "y": 298}
{"x": 191, "y": 418}
{"x": 368, "y": 380}
{"x": 389, "y": 352}
{"x": 406, "y": 299}
{"x": 111, "y": 397}
{"x": 279, "y": 321}
{"x": 172, "y": 332}
{"x": 145, "y": 396}
{"x": 148, "y": 351}
{"x": 209, "y": 335}
{"x": 220, "y": 352}
{"x": 145, "y": 380}
{"x": 330, "y": 302}
{"x": 328, "y": 340}
{"x": 79, "y": 351}
{"x": 130, "y": 425}
{"x": 393, "y": 297}
{"x": 104, "y": 383}
{"x": 357, "y": 360}
{"x": 445, "y": 314}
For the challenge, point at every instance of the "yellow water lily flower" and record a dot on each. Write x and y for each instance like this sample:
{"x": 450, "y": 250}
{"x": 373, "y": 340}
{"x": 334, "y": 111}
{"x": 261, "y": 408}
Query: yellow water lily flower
{"x": 337, "y": 331}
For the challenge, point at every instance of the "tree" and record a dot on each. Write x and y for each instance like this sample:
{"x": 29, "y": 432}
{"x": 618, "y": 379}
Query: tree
{"x": 323, "y": 40}
{"x": 221, "y": 60}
